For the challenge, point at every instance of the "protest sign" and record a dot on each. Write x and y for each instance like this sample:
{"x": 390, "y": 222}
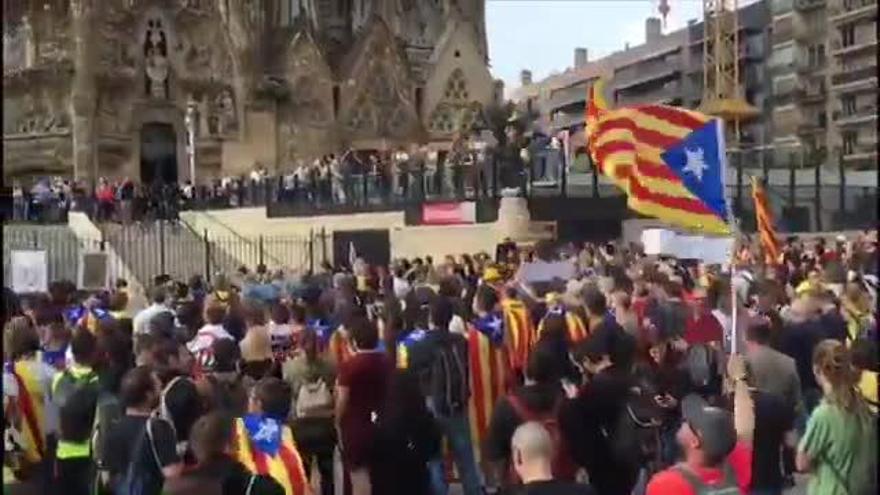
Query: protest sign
{"x": 30, "y": 271}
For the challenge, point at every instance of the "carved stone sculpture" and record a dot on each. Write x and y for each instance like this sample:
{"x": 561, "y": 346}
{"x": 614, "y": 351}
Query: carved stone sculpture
{"x": 226, "y": 112}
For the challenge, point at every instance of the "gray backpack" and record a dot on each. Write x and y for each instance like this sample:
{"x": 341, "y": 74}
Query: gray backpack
{"x": 728, "y": 485}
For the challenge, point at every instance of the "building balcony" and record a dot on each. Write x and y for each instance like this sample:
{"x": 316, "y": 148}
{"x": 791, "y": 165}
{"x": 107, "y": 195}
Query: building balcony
{"x": 805, "y": 5}
{"x": 862, "y": 155}
{"x": 567, "y": 96}
{"x": 642, "y": 73}
{"x": 782, "y": 31}
{"x": 804, "y": 66}
{"x": 862, "y": 115}
{"x": 853, "y": 79}
{"x": 851, "y": 10}
{"x": 837, "y": 48}
{"x": 810, "y": 95}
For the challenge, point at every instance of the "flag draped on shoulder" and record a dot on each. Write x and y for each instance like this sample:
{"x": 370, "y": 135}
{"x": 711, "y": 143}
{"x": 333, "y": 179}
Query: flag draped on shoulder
{"x": 266, "y": 446}
{"x": 764, "y": 217}
{"x": 575, "y": 327}
{"x": 668, "y": 161}
{"x": 519, "y": 332}
{"x": 29, "y": 406}
{"x": 489, "y": 375}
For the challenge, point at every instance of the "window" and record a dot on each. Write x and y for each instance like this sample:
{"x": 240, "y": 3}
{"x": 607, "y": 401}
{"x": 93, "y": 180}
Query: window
{"x": 781, "y": 7}
{"x": 822, "y": 120}
{"x": 848, "y": 104}
{"x": 850, "y": 141}
{"x": 782, "y": 56}
{"x": 848, "y": 35}
{"x": 816, "y": 55}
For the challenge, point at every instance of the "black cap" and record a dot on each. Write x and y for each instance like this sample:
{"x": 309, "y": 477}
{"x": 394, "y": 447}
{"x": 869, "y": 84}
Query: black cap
{"x": 713, "y": 425}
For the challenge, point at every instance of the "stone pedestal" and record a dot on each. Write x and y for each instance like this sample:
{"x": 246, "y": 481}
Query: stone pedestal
{"x": 513, "y": 218}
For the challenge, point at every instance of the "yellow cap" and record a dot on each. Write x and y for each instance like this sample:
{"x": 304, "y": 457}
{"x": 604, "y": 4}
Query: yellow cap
{"x": 491, "y": 274}
{"x": 552, "y": 298}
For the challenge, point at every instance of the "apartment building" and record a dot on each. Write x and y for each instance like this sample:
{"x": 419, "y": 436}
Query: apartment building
{"x": 852, "y": 36}
{"x": 667, "y": 69}
{"x": 824, "y": 81}
{"x": 799, "y": 66}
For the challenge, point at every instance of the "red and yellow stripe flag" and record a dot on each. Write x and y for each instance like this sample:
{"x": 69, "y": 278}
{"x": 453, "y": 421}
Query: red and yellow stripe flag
{"x": 285, "y": 466}
{"x": 30, "y": 405}
{"x": 574, "y": 324}
{"x": 627, "y": 144}
{"x": 764, "y": 216}
{"x": 339, "y": 348}
{"x": 519, "y": 332}
{"x": 489, "y": 380}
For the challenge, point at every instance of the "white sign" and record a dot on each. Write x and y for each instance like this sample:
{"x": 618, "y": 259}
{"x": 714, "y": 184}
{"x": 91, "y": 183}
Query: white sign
{"x": 710, "y": 250}
{"x": 657, "y": 241}
{"x": 30, "y": 271}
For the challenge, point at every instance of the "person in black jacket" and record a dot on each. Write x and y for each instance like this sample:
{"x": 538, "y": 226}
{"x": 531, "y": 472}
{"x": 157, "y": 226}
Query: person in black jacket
{"x": 598, "y": 407}
{"x": 541, "y": 396}
{"x": 407, "y": 437}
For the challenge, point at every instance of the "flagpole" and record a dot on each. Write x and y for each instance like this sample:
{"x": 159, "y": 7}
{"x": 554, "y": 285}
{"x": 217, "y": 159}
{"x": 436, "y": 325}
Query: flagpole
{"x": 733, "y": 225}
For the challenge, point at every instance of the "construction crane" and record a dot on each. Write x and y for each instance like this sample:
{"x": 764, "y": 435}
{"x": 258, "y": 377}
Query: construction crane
{"x": 723, "y": 95}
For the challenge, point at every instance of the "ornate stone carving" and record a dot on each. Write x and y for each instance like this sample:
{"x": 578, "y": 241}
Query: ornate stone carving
{"x": 221, "y": 116}
{"x": 111, "y": 120}
{"x": 383, "y": 105}
{"x": 156, "y": 59}
{"x": 14, "y": 47}
{"x": 37, "y": 118}
{"x": 455, "y": 111}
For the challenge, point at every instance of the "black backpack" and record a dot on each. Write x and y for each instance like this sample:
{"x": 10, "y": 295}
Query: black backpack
{"x": 448, "y": 386}
{"x": 634, "y": 437}
{"x": 701, "y": 362}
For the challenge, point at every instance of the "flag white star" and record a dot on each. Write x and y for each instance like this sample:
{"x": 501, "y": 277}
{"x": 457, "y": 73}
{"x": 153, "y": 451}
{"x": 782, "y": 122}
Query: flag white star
{"x": 695, "y": 165}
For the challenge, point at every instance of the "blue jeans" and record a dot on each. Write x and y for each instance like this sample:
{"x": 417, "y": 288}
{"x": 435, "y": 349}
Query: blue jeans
{"x": 457, "y": 432}
{"x": 765, "y": 491}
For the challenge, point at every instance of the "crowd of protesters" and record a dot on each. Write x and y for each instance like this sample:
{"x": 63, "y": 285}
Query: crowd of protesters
{"x": 554, "y": 371}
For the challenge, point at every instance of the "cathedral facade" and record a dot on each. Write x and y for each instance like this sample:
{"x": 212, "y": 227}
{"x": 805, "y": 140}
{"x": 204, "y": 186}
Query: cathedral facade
{"x": 126, "y": 88}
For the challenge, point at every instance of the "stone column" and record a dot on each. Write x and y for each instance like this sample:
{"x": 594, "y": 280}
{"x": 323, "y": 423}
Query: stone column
{"x": 83, "y": 97}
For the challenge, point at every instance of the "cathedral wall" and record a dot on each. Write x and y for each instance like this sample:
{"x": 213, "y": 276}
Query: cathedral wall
{"x": 458, "y": 85}
{"x": 257, "y": 146}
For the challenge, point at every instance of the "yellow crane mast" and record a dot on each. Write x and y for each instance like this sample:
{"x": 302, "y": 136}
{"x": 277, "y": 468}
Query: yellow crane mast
{"x": 723, "y": 95}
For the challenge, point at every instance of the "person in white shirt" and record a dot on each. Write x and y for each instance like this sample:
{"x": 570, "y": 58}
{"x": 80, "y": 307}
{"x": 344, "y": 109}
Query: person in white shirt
{"x": 158, "y": 297}
{"x": 201, "y": 346}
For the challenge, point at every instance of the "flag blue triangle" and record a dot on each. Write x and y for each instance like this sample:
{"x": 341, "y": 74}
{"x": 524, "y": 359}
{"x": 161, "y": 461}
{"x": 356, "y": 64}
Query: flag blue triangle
{"x": 698, "y": 160}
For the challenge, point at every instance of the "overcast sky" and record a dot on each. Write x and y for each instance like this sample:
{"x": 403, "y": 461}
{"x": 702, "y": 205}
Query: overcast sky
{"x": 541, "y": 35}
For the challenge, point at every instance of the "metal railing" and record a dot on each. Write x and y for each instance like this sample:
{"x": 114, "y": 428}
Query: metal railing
{"x": 164, "y": 248}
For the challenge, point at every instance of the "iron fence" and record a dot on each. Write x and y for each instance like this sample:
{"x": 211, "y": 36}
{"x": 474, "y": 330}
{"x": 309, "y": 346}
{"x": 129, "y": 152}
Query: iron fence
{"x": 164, "y": 247}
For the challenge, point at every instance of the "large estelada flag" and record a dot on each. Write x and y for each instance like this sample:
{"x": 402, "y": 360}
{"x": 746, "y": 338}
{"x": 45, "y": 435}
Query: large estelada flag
{"x": 266, "y": 446}
{"x": 669, "y": 161}
{"x": 764, "y": 217}
{"x": 489, "y": 377}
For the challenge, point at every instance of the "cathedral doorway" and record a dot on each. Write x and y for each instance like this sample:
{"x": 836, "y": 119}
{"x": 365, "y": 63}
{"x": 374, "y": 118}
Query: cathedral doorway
{"x": 158, "y": 153}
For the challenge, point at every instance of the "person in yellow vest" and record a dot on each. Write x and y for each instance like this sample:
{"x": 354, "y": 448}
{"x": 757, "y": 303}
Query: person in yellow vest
{"x": 864, "y": 358}
{"x": 27, "y": 402}
{"x": 75, "y": 393}
{"x": 263, "y": 441}
{"x": 856, "y": 308}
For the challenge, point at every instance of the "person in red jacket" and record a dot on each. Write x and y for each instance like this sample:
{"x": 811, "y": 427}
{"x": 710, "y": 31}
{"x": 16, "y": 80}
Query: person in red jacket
{"x": 105, "y": 196}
